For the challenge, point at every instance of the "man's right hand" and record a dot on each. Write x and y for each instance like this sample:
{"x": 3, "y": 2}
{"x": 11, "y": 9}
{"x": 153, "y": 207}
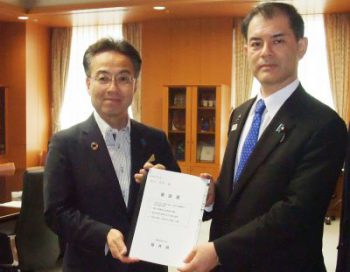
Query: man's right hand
{"x": 117, "y": 247}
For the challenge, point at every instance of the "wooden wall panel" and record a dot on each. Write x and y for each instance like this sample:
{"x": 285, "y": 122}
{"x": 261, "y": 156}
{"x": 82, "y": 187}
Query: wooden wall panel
{"x": 216, "y": 51}
{"x": 37, "y": 85}
{"x": 12, "y": 71}
{"x": 3, "y": 122}
{"x": 193, "y": 51}
{"x": 155, "y": 70}
{"x": 185, "y": 50}
{"x": 24, "y": 70}
{"x": 348, "y": 105}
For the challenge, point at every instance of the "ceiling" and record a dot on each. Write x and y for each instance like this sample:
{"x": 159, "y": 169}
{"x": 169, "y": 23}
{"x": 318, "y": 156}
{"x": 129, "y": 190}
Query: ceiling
{"x": 91, "y": 12}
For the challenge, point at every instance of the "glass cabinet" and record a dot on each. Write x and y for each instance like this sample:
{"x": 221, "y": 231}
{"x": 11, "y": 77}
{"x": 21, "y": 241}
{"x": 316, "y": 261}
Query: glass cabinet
{"x": 195, "y": 120}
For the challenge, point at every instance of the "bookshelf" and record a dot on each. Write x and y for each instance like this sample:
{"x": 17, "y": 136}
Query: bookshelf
{"x": 195, "y": 120}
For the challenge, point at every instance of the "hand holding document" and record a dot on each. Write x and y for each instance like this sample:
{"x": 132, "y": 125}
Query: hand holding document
{"x": 148, "y": 165}
{"x": 171, "y": 209}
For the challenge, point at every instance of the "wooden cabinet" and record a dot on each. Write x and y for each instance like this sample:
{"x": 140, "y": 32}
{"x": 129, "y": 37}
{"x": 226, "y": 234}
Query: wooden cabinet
{"x": 2, "y": 121}
{"x": 195, "y": 120}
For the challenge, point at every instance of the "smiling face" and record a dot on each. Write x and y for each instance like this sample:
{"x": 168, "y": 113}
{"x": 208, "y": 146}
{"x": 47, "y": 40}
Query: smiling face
{"x": 111, "y": 100}
{"x": 273, "y": 52}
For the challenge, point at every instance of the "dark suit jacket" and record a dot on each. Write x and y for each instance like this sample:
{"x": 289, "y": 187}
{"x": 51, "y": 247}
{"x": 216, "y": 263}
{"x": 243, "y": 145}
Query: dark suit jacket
{"x": 273, "y": 219}
{"x": 83, "y": 199}
{"x": 343, "y": 261}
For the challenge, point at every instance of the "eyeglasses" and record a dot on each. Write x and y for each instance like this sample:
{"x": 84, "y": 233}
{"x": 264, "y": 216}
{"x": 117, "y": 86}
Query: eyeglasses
{"x": 123, "y": 80}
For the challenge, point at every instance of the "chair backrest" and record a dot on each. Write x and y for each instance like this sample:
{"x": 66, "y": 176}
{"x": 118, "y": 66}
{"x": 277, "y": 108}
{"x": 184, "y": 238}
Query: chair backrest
{"x": 6, "y": 257}
{"x": 37, "y": 245}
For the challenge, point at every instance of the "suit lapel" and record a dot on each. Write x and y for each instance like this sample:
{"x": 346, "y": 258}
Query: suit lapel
{"x": 94, "y": 142}
{"x": 237, "y": 121}
{"x": 274, "y": 135}
{"x": 139, "y": 152}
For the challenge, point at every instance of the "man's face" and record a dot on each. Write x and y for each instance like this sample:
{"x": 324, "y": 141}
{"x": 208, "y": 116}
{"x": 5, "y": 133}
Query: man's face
{"x": 109, "y": 84}
{"x": 273, "y": 52}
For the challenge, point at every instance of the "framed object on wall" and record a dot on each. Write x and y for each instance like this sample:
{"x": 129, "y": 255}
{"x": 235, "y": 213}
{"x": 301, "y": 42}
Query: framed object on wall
{"x": 2, "y": 121}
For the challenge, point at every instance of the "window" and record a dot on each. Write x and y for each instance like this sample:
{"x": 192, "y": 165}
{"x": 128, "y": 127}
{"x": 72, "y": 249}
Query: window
{"x": 76, "y": 104}
{"x": 313, "y": 67}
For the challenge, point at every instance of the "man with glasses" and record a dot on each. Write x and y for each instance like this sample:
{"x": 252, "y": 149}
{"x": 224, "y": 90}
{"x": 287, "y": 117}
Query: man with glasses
{"x": 90, "y": 190}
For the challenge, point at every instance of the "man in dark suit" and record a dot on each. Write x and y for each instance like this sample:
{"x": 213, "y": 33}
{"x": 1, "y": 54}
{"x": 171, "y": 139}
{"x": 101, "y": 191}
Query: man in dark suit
{"x": 269, "y": 210}
{"x": 90, "y": 191}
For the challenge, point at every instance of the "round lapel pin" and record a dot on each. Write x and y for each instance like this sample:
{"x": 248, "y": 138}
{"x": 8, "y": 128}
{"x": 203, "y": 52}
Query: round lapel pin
{"x": 94, "y": 146}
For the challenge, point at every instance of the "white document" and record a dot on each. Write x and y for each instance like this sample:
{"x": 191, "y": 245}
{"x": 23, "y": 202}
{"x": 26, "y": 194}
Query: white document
{"x": 170, "y": 216}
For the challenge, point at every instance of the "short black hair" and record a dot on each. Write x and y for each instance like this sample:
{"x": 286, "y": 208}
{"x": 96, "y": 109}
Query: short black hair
{"x": 109, "y": 44}
{"x": 269, "y": 10}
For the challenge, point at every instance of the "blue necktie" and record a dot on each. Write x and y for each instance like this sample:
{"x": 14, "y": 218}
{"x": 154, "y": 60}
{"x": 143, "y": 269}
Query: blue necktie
{"x": 251, "y": 139}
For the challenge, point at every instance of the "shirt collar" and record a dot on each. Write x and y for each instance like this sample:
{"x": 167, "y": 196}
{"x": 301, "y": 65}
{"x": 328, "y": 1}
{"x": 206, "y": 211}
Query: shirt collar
{"x": 103, "y": 126}
{"x": 275, "y": 101}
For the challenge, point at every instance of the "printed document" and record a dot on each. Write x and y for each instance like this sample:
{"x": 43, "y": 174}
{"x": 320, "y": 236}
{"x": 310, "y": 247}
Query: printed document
{"x": 169, "y": 218}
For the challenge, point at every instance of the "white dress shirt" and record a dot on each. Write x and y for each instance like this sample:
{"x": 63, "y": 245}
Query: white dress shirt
{"x": 273, "y": 103}
{"x": 118, "y": 144}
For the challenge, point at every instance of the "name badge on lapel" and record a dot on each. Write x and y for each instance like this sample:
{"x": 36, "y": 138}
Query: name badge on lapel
{"x": 234, "y": 125}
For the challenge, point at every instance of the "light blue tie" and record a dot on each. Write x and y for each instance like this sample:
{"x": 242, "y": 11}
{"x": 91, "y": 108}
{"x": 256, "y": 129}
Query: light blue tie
{"x": 251, "y": 139}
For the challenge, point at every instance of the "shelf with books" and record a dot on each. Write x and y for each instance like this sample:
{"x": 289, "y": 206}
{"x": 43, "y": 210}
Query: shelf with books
{"x": 195, "y": 120}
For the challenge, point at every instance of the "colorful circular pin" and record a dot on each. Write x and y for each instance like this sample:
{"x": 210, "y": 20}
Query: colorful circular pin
{"x": 94, "y": 146}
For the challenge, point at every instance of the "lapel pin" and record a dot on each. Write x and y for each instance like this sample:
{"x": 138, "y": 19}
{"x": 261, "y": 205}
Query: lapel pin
{"x": 94, "y": 146}
{"x": 233, "y": 127}
{"x": 280, "y": 128}
{"x": 143, "y": 142}
{"x": 283, "y": 137}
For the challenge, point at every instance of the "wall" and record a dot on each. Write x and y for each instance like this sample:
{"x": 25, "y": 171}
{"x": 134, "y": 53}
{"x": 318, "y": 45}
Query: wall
{"x": 193, "y": 51}
{"x": 197, "y": 51}
{"x": 37, "y": 94}
{"x": 24, "y": 71}
{"x": 12, "y": 76}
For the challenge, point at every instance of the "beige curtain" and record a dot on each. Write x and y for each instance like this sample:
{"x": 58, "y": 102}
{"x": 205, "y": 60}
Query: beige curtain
{"x": 132, "y": 33}
{"x": 243, "y": 78}
{"x": 338, "y": 45}
{"x": 60, "y": 52}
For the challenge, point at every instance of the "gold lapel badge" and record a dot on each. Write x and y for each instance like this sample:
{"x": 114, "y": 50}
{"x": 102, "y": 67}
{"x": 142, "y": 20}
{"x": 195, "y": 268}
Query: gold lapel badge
{"x": 94, "y": 146}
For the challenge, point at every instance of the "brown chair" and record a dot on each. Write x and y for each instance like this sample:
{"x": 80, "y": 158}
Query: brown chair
{"x": 37, "y": 247}
{"x": 334, "y": 208}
